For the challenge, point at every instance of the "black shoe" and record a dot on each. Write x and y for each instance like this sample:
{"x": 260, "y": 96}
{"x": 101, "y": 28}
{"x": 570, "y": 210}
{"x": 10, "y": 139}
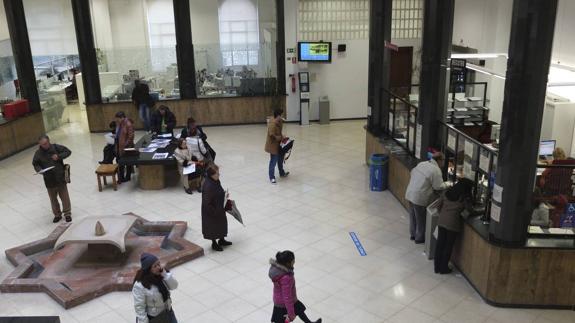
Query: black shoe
{"x": 189, "y": 191}
{"x": 419, "y": 241}
{"x": 412, "y": 238}
{"x": 224, "y": 243}
{"x": 285, "y": 175}
{"x": 68, "y": 218}
{"x": 57, "y": 219}
{"x": 446, "y": 272}
{"x": 217, "y": 247}
{"x": 318, "y": 321}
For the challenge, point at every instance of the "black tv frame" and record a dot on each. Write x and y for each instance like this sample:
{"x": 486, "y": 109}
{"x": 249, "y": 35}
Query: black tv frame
{"x": 313, "y": 42}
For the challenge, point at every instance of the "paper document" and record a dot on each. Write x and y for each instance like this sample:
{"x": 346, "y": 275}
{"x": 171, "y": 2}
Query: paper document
{"x": 42, "y": 171}
{"x": 190, "y": 169}
{"x": 165, "y": 135}
{"x": 147, "y": 150}
{"x": 160, "y": 156}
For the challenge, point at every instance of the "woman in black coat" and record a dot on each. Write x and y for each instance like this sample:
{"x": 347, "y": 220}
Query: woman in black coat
{"x": 214, "y": 221}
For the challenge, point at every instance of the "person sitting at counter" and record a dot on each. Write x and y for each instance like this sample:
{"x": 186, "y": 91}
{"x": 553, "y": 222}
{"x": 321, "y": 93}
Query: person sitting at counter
{"x": 109, "y": 149}
{"x": 192, "y": 130}
{"x": 163, "y": 121}
{"x": 452, "y": 202}
{"x": 556, "y": 181}
{"x": 185, "y": 158}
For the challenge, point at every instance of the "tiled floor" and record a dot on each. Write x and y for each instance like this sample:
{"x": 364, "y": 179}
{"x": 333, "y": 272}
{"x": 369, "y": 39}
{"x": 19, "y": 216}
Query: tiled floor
{"x": 311, "y": 212}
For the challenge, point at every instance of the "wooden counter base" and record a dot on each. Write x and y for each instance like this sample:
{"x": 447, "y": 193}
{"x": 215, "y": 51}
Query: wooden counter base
{"x": 516, "y": 277}
{"x": 19, "y": 134}
{"x": 157, "y": 177}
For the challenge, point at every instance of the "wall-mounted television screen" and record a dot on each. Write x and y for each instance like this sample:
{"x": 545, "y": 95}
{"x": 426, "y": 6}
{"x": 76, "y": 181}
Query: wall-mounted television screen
{"x": 314, "y": 52}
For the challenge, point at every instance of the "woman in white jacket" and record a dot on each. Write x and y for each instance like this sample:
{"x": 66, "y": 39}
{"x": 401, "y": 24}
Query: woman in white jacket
{"x": 151, "y": 292}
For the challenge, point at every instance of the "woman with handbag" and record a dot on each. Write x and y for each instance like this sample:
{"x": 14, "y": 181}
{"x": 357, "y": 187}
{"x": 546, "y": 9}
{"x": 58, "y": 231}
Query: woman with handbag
{"x": 151, "y": 292}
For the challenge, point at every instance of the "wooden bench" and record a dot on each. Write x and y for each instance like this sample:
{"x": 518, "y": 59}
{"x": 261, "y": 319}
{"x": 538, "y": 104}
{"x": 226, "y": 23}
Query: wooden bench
{"x": 105, "y": 170}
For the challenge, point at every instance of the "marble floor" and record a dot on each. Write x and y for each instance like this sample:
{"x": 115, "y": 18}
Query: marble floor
{"x": 311, "y": 212}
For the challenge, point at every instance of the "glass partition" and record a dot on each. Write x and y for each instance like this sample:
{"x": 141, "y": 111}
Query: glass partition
{"x": 9, "y": 90}
{"x": 234, "y": 47}
{"x": 135, "y": 40}
{"x": 225, "y": 72}
{"x": 55, "y": 56}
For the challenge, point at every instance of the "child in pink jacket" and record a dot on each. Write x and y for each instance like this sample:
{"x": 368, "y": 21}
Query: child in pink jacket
{"x": 285, "y": 296}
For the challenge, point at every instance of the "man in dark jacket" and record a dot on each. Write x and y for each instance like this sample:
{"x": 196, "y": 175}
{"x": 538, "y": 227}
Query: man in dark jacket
{"x": 49, "y": 161}
{"x": 143, "y": 101}
{"x": 163, "y": 121}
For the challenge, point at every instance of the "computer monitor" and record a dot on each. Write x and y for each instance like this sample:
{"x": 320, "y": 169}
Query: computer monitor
{"x": 546, "y": 147}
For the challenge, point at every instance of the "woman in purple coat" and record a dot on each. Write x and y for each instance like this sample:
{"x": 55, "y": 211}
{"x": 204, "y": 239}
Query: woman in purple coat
{"x": 214, "y": 221}
{"x": 286, "y": 304}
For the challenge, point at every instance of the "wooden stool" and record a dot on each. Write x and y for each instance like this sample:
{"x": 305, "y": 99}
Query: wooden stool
{"x": 105, "y": 170}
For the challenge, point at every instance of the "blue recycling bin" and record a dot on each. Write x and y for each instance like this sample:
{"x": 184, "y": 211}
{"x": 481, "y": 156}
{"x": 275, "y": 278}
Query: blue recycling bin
{"x": 378, "y": 172}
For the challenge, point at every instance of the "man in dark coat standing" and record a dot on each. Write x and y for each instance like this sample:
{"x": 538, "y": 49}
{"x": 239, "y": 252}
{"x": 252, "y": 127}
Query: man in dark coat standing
{"x": 214, "y": 220}
{"x": 52, "y": 156}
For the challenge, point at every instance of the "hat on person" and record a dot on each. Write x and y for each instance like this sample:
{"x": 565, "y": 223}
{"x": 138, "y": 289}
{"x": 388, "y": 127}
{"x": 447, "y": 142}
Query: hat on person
{"x": 147, "y": 260}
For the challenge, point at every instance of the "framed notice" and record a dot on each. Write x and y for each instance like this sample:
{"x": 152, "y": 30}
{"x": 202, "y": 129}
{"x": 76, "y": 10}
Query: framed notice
{"x": 484, "y": 161}
{"x": 451, "y": 140}
{"x": 495, "y": 213}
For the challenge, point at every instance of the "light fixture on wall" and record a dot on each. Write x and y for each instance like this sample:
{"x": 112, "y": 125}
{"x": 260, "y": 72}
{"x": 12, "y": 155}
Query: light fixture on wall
{"x": 479, "y": 55}
{"x": 484, "y": 71}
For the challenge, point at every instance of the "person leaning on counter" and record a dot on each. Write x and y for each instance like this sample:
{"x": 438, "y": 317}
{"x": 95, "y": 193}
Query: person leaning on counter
{"x": 426, "y": 178}
{"x": 163, "y": 121}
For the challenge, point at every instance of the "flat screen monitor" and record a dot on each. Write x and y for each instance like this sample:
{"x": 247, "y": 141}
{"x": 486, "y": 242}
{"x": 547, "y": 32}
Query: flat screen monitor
{"x": 314, "y": 52}
{"x": 546, "y": 147}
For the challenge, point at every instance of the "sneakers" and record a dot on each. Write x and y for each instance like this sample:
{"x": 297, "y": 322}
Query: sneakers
{"x": 273, "y": 181}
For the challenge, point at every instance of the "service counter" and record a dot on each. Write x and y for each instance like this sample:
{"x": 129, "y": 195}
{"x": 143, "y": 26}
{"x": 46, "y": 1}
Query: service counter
{"x": 20, "y": 133}
{"x": 540, "y": 275}
{"x": 206, "y": 111}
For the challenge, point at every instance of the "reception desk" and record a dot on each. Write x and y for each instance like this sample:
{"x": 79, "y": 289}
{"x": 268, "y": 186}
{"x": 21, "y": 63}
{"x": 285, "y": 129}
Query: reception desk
{"x": 20, "y": 133}
{"x": 207, "y": 111}
{"x": 540, "y": 275}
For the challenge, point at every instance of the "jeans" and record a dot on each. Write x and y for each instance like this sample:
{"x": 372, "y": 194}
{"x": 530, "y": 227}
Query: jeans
{"x": 417, "y": 217}
{"x": 279, "y": 160}
{"x": 144, "y": 111}
{"x": 445, "y": 241}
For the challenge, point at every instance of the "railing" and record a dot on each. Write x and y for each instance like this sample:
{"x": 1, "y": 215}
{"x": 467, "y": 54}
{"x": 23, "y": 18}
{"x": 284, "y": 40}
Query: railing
{"x": 402, "y": 122}
{"x": 467, "y": 157}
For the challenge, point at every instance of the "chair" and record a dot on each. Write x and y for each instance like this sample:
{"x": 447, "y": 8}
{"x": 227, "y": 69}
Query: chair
{"x": 105, "y": 170}
{"x": 558, "y": 180}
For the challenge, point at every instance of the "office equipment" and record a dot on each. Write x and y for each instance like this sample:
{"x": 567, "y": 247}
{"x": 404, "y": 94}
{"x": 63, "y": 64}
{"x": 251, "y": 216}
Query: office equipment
{"x": 314, "y": 52}
{"x": 546, "y": 148}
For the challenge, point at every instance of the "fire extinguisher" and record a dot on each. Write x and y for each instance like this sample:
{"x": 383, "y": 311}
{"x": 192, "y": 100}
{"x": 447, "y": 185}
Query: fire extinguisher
{"x": 293, "y": 83}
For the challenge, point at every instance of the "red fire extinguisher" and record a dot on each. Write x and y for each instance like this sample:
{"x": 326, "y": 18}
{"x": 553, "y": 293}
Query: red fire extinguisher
{"x": 293, "y": 81}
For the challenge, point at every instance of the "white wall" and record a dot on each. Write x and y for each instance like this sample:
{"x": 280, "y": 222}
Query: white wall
{"x": 563, "y": 41}
{"x": 4, "y": 34}
{"x": 128, "y": 23}
{"x": 205, "y": 23}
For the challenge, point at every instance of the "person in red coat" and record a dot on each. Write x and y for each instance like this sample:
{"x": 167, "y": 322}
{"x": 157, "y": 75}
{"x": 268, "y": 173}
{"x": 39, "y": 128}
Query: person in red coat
{"x": 214, "y": 220}
{"x": 286, "y": 304}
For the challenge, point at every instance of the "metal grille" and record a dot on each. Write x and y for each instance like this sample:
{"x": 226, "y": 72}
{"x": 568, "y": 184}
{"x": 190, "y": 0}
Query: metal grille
{"x": 349, "y": 19}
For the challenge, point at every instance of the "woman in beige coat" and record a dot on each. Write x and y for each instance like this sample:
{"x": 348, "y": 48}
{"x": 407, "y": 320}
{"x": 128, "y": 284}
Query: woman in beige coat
{"x": 273, "y": 140}
{"x": 185, "y": 157}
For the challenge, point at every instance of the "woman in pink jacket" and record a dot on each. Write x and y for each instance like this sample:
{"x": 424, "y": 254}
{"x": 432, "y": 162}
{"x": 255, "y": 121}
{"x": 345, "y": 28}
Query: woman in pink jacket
{"x": 286, "y": 303}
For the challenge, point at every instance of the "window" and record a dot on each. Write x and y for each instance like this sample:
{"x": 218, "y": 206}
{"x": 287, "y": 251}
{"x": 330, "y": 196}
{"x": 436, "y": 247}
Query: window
{"x": 239, "y": 32}
{"x": 161, "y": 32}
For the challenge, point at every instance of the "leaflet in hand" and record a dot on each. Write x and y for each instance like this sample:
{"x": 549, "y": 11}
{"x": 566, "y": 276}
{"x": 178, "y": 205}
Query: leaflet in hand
{"x": 42, "y": 171}
{"x": 190, "y": 169}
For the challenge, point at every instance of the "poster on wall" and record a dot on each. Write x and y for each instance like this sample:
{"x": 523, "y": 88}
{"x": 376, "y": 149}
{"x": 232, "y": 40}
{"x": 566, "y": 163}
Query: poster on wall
{"x": 451, "y": 141}
{"x": 418, "y": 140}
{"x": 495, "y": 212}
{"x": 390, "y": 123}
{"x": 484, "y": 161}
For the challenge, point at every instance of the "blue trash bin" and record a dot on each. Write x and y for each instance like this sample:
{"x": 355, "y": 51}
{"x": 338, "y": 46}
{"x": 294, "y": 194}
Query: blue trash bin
{"x": 378, "y": 170}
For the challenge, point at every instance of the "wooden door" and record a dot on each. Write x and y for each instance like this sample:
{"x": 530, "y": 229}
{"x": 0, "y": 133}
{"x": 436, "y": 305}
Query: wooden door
{"x": 400, "y": 71}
